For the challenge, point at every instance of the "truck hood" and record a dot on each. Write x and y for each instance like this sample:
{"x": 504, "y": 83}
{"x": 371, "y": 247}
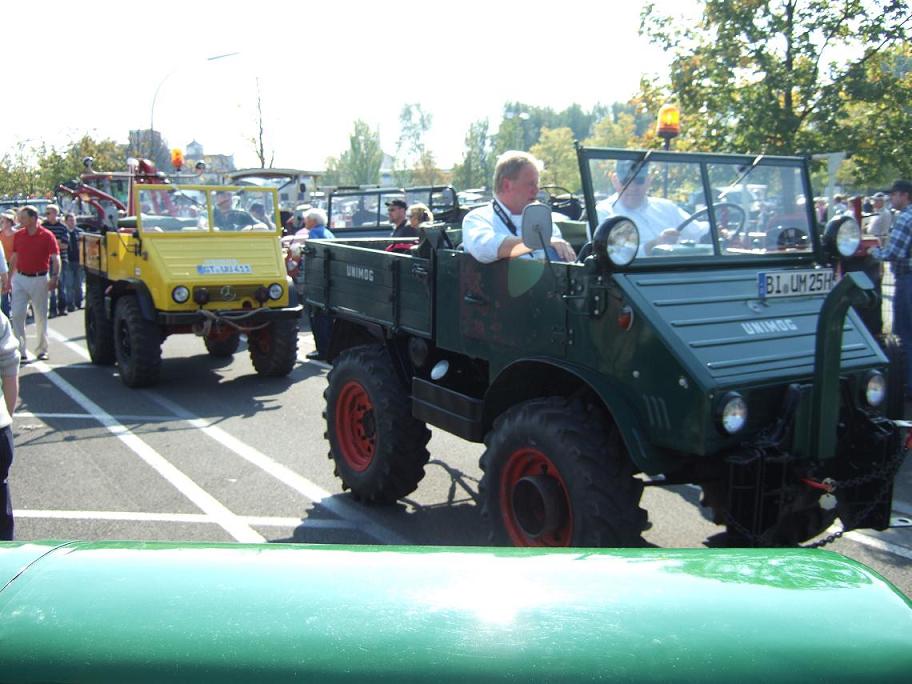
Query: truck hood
{"x": 201, "y": 256}
{"x": 720, "y": 329}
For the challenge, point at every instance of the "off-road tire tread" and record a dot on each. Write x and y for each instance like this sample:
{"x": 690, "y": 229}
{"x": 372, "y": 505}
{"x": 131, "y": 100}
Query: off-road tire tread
{"x": 283, "y": 349}
{"x": 101, "y": 343}
{"x": 401, "y": 446}
{"x": 587, "y": 449}
{"x": 225, "y": 347}
{"x": 143, "y": 367}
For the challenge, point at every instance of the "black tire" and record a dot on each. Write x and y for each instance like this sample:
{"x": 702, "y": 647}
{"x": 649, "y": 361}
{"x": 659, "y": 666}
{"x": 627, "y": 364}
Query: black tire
{"x": 99, "y": 328}
{"x": 274, "y": 349}
{"x": 556, "y": 474}
{"x": 379, "y": 449}
{"x": 223, "y": 347}
{"x": 896, "y": 377}
{"x": 137, "y": 344}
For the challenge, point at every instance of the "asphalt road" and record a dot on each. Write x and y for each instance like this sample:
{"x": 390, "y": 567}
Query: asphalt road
{"x": 216, "y": 453}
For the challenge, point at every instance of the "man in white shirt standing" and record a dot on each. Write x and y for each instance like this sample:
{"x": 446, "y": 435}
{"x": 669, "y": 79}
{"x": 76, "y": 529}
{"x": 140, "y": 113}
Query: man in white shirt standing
{"x": 882, "y": 222}
{"x": 494, "y": 231}
{"x": 657, "y": 219}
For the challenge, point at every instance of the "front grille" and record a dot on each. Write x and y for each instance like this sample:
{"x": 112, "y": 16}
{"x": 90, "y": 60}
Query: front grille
{"x": 229, "y": 293}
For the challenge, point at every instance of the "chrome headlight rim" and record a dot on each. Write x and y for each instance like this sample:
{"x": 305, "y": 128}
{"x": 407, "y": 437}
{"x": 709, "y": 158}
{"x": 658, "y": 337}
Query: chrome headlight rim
{"x": 843, "y": 236}
{"x": 275, "y": 291}
{"x": 731, "y": 414}
{"x": 616, "y": 242}
{"x": 623, "y": 242}
{"x": 180, "y": 294}
{"x": 874, "y": 389}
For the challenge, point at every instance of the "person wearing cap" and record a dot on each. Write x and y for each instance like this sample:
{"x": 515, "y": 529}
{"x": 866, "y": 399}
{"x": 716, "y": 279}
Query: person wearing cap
{"x": 882, "y": 222}
{"x": 36, "y": 265}
{"x": 396, "y": 209}
{"x": 840, "y": 206}
{"x": 494, "y": 230}
{"x": 225, "y": 216}
{"x": 258, "y": 211}
{"x": 656, "y": 218}
{"x": 899, "y": 253}
{"x": 200, "y": 168}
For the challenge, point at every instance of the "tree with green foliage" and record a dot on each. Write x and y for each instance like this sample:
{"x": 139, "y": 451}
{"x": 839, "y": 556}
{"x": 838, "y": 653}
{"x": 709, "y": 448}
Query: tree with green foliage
{"x": 38, "y": 171}
{"x": 411, "y": 152}
{"x": 147, "y": 144}
{"x": 476, "y": 169}
{"x": 522, "y": 124}
{"x": 764, "y": 76}
{"x": 360, "y": 163}
{"x": 555, "y": 149}
{"x": 876, "y": 122}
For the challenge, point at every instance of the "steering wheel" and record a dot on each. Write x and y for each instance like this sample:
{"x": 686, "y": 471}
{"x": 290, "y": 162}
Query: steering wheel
{"x": 719, "y": 207}
{"x": 561, "y": 200}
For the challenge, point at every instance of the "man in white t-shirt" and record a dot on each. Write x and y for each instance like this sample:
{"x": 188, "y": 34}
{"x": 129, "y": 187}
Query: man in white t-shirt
{"x": 657, "y": 219}
{"x": 494, "y": 231}
{"x": 882, "y": 222}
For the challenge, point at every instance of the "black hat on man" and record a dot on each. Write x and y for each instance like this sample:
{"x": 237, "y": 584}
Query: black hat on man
{"x": 902, "y": 186}
{"x": 397, "y": 203}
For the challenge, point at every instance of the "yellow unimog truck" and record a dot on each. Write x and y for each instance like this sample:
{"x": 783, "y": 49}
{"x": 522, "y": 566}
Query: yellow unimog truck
{"x": 189, "y": 259}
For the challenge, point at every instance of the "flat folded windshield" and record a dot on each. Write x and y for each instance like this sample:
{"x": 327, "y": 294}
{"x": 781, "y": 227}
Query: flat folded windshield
{"x": 742, "y": 208}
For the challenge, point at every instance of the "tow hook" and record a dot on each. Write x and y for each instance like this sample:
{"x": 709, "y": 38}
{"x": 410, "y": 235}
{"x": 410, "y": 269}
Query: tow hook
{"x": 827, "y": 500}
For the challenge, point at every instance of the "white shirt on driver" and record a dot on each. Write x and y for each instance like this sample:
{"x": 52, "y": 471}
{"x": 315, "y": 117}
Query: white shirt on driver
{"x": 652, "y": 217}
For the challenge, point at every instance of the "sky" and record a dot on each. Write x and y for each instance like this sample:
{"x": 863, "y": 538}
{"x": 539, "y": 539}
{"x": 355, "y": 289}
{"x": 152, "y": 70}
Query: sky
{"x": 103, "y": 68}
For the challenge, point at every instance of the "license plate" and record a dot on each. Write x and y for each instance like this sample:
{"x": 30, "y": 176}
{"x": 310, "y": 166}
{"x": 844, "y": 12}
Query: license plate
{"x": 795, "y": 283}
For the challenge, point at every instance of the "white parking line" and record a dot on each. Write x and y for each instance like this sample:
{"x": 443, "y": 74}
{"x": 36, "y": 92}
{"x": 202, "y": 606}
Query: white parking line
{"x": 282, "y": 473}
{"x": 194, "y": 518}
{"x": 85, "y": 416}
{"x": 201, "y": 498}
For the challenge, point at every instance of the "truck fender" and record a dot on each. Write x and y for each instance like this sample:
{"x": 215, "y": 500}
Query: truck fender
{"x": 293, "y": 299}
{"x": 140, "y": 290}
{"x": 348, "y": 333}
{"x": 531, "y": 378}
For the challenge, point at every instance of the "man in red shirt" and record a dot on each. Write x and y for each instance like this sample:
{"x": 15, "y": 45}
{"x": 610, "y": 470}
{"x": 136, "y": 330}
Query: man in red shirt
{"x": 36, "y": 261}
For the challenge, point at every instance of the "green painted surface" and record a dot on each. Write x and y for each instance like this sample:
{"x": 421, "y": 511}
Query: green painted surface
{"x": 135, "y": 612}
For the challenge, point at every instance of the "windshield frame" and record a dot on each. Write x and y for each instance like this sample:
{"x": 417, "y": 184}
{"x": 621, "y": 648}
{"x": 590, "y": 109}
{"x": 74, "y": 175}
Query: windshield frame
{"x": 585, "y": 155}
{"x": 209, "y": 192}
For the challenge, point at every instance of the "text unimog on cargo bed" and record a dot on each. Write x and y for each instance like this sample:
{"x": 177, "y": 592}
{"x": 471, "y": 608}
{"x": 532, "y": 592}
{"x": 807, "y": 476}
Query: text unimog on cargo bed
{"x": 184, "y": 264}
{"x": 732, "y": 360}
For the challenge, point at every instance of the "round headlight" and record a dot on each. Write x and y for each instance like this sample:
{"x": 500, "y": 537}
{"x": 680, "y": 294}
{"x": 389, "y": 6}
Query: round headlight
{"x": 275, "y": 291}
{"x": 733, "y": 413}
{"x": 848, "y": 237}
{"x": 180, "y": 294}
{"x": 616, "y": 239}
{"x": 875, "y": 388}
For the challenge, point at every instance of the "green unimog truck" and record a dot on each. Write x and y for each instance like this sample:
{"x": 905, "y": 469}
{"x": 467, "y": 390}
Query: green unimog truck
{"x": 726, "y": 354}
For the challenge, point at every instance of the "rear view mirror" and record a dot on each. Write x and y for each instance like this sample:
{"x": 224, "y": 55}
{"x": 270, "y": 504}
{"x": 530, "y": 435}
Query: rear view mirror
{"x": 536, "y": 226}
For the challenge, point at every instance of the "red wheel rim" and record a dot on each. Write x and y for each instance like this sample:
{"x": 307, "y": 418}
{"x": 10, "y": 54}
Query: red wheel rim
{"x": 355, "y": 429}
{"x": 528, "y": 463}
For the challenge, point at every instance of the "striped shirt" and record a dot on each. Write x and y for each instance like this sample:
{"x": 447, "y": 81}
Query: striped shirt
{"x": 897, "y": 252}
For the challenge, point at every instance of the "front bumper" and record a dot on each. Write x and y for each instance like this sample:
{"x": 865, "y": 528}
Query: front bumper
{"x": 238, "y": 318}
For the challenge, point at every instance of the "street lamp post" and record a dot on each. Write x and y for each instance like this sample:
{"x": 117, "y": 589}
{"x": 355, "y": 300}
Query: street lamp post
{"x": 155, "y": 97}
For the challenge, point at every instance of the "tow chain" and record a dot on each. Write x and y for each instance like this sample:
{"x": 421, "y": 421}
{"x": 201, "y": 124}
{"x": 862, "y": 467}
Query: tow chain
{"x": 212, "y": 319}
{"x": 886, "y": 471}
